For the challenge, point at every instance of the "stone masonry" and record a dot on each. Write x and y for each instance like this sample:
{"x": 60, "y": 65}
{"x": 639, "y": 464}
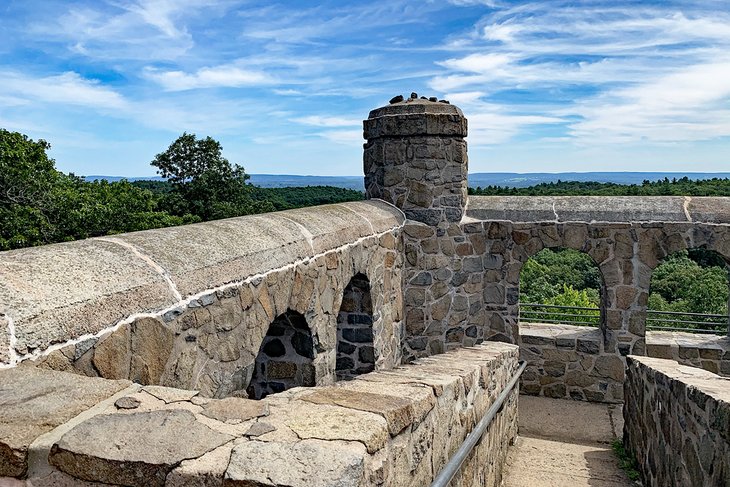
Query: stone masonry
{"x": 285, "y": 357}
{"x": 355, "y": 350}
{"x": 677, "y": 423}
{"x": 387, "y": 428}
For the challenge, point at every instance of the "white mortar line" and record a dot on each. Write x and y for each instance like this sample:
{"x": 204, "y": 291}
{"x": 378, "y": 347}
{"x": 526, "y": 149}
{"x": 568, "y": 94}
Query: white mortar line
{"x": 687, "y": 201}
{"x": 148, "y": 260}
{"x": 40, "y": 448}
{"x": 305, "y": 232}
{"x": 12, "y": 342}
{"x": 183, "y": 303}
{"x": 372, "y": 229}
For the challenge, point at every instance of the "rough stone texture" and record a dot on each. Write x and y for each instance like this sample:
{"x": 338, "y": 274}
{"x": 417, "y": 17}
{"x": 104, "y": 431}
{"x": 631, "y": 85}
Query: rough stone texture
{"x": 396, "y": 427}
{"x": 677, "y": 423}
{"x": 138, "y": 448}
{"x": 566, "y": 361}
{"x": 35, "y": 401}
{"x": 309, "y": 463}
{"x": 77, "y": 288}
{"x": 415, "y": 158}
{"x": 210, "y": 344}
{"x": 305, "y": 257}
{"x": 233, "y": 409}
{"x": 709, "y": 352}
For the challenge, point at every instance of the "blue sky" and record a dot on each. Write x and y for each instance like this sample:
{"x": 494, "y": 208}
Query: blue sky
{"x": 547, "y": 86}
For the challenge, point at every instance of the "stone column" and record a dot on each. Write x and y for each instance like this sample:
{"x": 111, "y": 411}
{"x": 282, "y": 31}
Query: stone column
{"x": 415, "y": 158}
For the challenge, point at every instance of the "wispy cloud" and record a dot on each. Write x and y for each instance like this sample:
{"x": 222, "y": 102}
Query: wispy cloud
{"x": 325, "y": 121}
{"x": 67, "y": 89}
{"x": 215, "y": 77}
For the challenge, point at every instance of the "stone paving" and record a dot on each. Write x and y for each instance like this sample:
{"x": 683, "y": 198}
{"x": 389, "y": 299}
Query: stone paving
{"x": 565, "y": 443}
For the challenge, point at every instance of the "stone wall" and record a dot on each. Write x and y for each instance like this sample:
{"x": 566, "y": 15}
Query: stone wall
{"x": 677, "y": 423}
{"x": 568, "y": 361}
{"x": 386, "y": 428}
{"x": 189, "y": 307}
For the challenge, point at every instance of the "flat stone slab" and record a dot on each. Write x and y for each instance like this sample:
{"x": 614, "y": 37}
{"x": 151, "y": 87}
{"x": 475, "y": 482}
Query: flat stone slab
{"x": 235, "y": 409}
{"x": 308, "y": 463}
{"x": 397, "y": 411}
{"x": 138, "y": 448}
{"x": 34, "y": 401}
{"x": 328, "y": 422}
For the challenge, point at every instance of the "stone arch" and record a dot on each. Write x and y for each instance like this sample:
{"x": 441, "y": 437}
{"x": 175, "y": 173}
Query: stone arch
{"x": 355, "y": 335}
{"x": 602, "y": 290}
{"x": 285, "y": 358}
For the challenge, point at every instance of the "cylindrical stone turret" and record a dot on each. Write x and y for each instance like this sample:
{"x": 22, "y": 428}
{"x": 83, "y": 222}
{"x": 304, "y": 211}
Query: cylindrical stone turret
{"x": 415, "y": 158}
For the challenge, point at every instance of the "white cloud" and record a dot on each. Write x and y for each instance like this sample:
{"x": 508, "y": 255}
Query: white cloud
{"x": 346, "y": 137}
{"x": 324, "y": 121}
{"x": 67, "y": 88}
{"x": 210, "y": 77}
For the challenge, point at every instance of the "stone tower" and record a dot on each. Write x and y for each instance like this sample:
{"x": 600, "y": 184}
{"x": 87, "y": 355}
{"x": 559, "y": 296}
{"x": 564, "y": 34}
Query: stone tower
{"x": 415, "y": 158}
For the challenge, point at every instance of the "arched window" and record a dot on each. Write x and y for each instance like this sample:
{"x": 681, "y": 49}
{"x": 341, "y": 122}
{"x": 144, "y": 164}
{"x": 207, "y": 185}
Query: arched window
{"x": 355, "y": 350}
{"x": 689, "y": 292}
{"x": 285, "y": 357}
{"x": 561, "y": 286}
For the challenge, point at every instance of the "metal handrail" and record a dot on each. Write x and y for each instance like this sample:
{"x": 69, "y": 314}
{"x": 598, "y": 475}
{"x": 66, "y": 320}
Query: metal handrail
{"x": 538, "y": 305}
{"x": 454, "y": 464}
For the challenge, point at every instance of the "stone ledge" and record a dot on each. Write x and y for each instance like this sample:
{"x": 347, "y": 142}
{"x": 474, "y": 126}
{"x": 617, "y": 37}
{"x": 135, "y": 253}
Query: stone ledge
{"x": 618, "y": 209}
{"x": 395, "y": 427}
{"x": 61, "y": 292}
{"x": 709, "y": 352}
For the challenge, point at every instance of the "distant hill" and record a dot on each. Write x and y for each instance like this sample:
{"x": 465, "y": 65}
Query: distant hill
{"x": 517, "y": 180}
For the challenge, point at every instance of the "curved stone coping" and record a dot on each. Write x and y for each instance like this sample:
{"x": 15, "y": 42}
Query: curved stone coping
{"x": 335, "y": 435}
{"x": 59, "y": 292}
{"x": 619, "y": 209}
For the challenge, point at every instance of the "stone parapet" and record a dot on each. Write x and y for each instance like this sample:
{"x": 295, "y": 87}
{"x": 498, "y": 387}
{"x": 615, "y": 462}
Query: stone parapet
{"x": 709, "y": 352}
{"x": 74, "y": 294}
{"x": 387, "y": 428}
{"x": 677, "y": 423}
{"x": 566, "y": 361}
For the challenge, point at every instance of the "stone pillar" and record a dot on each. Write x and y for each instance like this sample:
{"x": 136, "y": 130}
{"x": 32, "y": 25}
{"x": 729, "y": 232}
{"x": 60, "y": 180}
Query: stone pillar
{"x": 415, "y": 158}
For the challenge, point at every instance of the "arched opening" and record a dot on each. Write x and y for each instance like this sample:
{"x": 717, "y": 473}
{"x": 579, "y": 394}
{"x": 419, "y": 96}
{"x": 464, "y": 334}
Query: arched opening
{"x": 561, "y": 286}
{"x": 355, "y": 349}
{"x": 689, "y": 292}
{"x": 285, "y": 357}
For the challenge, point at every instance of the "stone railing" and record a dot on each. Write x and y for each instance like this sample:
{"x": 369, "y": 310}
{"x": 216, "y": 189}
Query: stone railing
{"x": 398, "y": 427}
{"x": 190, "y": 306}
{"x": 677, "y": 423}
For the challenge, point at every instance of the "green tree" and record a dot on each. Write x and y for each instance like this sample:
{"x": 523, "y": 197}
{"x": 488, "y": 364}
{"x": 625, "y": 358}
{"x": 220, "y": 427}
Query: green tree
{"x": 203, "y": 182}
{"x": 27, "y": 179}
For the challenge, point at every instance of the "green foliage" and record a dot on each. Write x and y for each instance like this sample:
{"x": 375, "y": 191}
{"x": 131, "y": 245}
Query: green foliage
{"x": 203, "y": 182}
{"x": 663, "y": 187}
{"x": 626, "y": 461}
{"x": 548, "y": 273}
{"x": 299, "y": 197}
{"x": 681, "y": 284}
